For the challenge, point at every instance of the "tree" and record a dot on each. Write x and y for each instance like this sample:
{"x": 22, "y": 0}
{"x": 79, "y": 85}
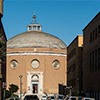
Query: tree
{"x": 13, "y": 88}
{"x": 7, "y": 94}
{"x": 2, "y": 47}
{"x": 2, "y": 60}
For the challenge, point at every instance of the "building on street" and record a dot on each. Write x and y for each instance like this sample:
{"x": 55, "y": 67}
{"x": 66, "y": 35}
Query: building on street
{"x": 36, "y": 59}
{"x": 2, "y": 53}
{"x": 91, "y": 58}
{"x": 74, "y": 64}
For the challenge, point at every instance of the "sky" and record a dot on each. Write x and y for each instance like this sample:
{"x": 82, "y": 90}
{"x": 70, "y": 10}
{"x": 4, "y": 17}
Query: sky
{"x": 64, "y": 19}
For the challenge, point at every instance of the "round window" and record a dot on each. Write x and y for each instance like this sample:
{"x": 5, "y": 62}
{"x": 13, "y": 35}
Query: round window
{"x": 14, "y": 63}
{"x": 35, "y": 63}
{"x": 56, "y": 64}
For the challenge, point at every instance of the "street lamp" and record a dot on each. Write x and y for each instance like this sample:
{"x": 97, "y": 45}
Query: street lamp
{"x": 20, "y": 78}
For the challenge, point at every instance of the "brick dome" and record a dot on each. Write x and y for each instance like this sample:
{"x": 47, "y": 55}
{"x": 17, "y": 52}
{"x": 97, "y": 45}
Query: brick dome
{"x": 35, "y": 39}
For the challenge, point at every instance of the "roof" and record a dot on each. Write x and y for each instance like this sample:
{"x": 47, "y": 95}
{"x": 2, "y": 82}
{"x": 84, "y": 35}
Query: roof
{"x": 35, "y": 39}
{"x": 92, "y": 20}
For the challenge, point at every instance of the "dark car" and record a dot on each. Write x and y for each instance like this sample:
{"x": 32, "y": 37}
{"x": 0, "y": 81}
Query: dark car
{"x": 31, "y": 97}
{"x": 50, "y": 98}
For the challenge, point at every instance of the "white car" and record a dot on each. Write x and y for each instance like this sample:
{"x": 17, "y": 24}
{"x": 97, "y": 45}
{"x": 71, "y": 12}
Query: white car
{"x": 86, "y": 98}
{"x": 80, "y": 98}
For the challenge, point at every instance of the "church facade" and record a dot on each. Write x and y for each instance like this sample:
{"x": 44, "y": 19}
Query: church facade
{"x": 36, "y": 61}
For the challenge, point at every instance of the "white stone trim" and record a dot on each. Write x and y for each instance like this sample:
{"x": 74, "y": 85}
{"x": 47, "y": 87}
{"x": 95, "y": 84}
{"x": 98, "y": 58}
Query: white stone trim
{"x": 40, "y": 85}
{"x": 32, "y": 53}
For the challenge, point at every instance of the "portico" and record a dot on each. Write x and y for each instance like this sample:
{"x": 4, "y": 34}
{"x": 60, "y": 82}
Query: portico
{"x": 35, "y": 82}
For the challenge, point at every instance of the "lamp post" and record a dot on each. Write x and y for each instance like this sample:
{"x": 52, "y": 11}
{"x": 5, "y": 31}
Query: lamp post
{"x": 20, "y": 78}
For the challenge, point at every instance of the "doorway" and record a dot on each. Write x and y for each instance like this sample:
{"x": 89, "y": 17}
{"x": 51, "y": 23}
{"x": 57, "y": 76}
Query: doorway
{"x": 35, "y": 83}
{"x": 34, "y": 88}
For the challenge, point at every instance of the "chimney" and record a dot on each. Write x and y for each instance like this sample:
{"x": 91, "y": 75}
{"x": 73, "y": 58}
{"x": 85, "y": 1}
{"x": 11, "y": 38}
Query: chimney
{"x": 1, "y": 8}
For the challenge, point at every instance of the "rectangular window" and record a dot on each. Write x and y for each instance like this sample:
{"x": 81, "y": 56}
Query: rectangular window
{"x": 90, "y": 37}
{"x": 38, "y": 28}
{"x": 96, "y": 60}
{"x": 93, "y": 61}
{"x": 90, "y": 62}
{"x": 93, "y": 35}
{"x": 99, "y": 58}
{"x": 99, "y": 30}
{"x": 30, "y": 28}
{"x": 95, "y": 32}
{"x": 34, "y": 27}
{"x": 71, "y": 54}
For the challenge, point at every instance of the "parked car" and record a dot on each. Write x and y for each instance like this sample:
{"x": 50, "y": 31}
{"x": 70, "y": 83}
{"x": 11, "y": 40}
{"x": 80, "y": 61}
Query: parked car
{"x": 30, "y": 97}
{"x": 60, "y": 97}
{"x": 44, "y": 97}
{"x": 86, "y": 98}
{"x": 74, "y": 98}
{"x": 79, "y": 98}
{"x": 13, "y": 98}
{"x": 50, "y": 98}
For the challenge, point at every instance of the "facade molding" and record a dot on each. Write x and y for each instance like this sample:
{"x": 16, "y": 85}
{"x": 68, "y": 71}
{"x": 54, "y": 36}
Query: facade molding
{"x": 37, "y": 53}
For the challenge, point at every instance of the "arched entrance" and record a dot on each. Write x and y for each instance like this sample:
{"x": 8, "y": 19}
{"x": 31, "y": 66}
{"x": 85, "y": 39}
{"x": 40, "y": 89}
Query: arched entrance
{"x": 35, "y": 83}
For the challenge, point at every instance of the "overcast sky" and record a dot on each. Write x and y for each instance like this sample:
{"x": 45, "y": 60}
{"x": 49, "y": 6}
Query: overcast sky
{"x": 63, "y": 18}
